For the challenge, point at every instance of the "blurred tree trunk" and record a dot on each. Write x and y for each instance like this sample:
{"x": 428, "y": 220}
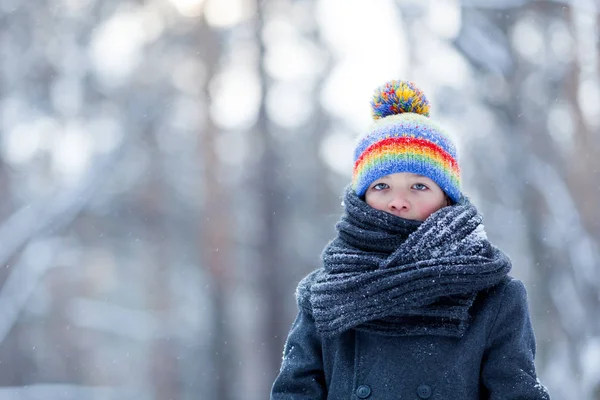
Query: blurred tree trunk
{"x": 271, "y": 200}
{"x": 583, "y": 177}
{"x": 163, "y": 349}
{"x": 290, "y": 185}
{"x": 215, "y": 231}
{"x": 586, "y": 142}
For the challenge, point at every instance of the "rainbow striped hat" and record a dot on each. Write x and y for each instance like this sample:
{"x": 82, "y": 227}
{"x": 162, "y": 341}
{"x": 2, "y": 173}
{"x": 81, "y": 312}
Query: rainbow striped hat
{"x": 404, "y": 139}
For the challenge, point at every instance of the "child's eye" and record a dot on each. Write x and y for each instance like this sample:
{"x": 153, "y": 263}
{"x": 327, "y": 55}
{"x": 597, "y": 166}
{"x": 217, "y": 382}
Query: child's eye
{"x": 419, "y": 186}
{"x": 380, "y": 186}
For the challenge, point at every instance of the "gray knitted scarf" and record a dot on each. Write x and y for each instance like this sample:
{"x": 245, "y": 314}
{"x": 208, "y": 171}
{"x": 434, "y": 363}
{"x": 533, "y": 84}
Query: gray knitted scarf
{"x": 394, "y": 276}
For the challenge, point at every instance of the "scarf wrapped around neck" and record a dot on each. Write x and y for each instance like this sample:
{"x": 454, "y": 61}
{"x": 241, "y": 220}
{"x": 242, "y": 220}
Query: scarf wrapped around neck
{"x": 394, "y": 276}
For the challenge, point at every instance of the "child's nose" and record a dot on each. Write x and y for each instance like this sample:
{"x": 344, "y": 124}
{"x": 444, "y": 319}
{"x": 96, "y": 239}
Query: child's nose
{"x": 399, "y": 202}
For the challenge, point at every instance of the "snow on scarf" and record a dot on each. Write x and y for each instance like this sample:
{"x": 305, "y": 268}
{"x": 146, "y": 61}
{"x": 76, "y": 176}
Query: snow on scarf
{"x": 394, "y": 276}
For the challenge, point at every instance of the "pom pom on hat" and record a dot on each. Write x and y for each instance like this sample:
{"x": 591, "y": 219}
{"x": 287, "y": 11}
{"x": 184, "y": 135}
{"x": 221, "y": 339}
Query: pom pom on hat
{"x": 404, "y": 139}
{"x": 397, "y": 97}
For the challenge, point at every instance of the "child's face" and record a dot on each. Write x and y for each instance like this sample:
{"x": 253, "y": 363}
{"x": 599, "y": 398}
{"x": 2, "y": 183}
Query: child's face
{"x": 406, "y": 195}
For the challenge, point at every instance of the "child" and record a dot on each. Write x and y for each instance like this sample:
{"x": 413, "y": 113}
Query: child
{"x": 412, "y": 300}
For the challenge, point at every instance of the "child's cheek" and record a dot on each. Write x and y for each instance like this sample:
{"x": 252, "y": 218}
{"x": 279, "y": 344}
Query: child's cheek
{"x": 427, "y": 210}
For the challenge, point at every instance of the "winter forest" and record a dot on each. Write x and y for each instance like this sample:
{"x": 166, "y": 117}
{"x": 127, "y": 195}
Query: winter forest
{"x": 170, "y": 169}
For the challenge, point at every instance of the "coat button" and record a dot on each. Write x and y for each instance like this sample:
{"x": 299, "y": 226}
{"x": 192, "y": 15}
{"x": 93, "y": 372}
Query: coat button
{"x": 363, "y": 391}
{"x": 424, "y": 391}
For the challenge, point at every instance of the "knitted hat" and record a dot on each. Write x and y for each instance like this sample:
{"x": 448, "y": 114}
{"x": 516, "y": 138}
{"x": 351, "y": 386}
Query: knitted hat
{"x": 403, "y": 138}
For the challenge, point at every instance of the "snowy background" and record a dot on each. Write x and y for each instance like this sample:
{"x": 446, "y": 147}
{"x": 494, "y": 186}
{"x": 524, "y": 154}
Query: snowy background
{"x": 170, "y": 169}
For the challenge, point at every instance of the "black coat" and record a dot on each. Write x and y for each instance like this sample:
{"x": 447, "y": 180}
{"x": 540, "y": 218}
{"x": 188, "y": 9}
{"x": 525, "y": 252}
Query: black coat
{"x": 493, "y": 360}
